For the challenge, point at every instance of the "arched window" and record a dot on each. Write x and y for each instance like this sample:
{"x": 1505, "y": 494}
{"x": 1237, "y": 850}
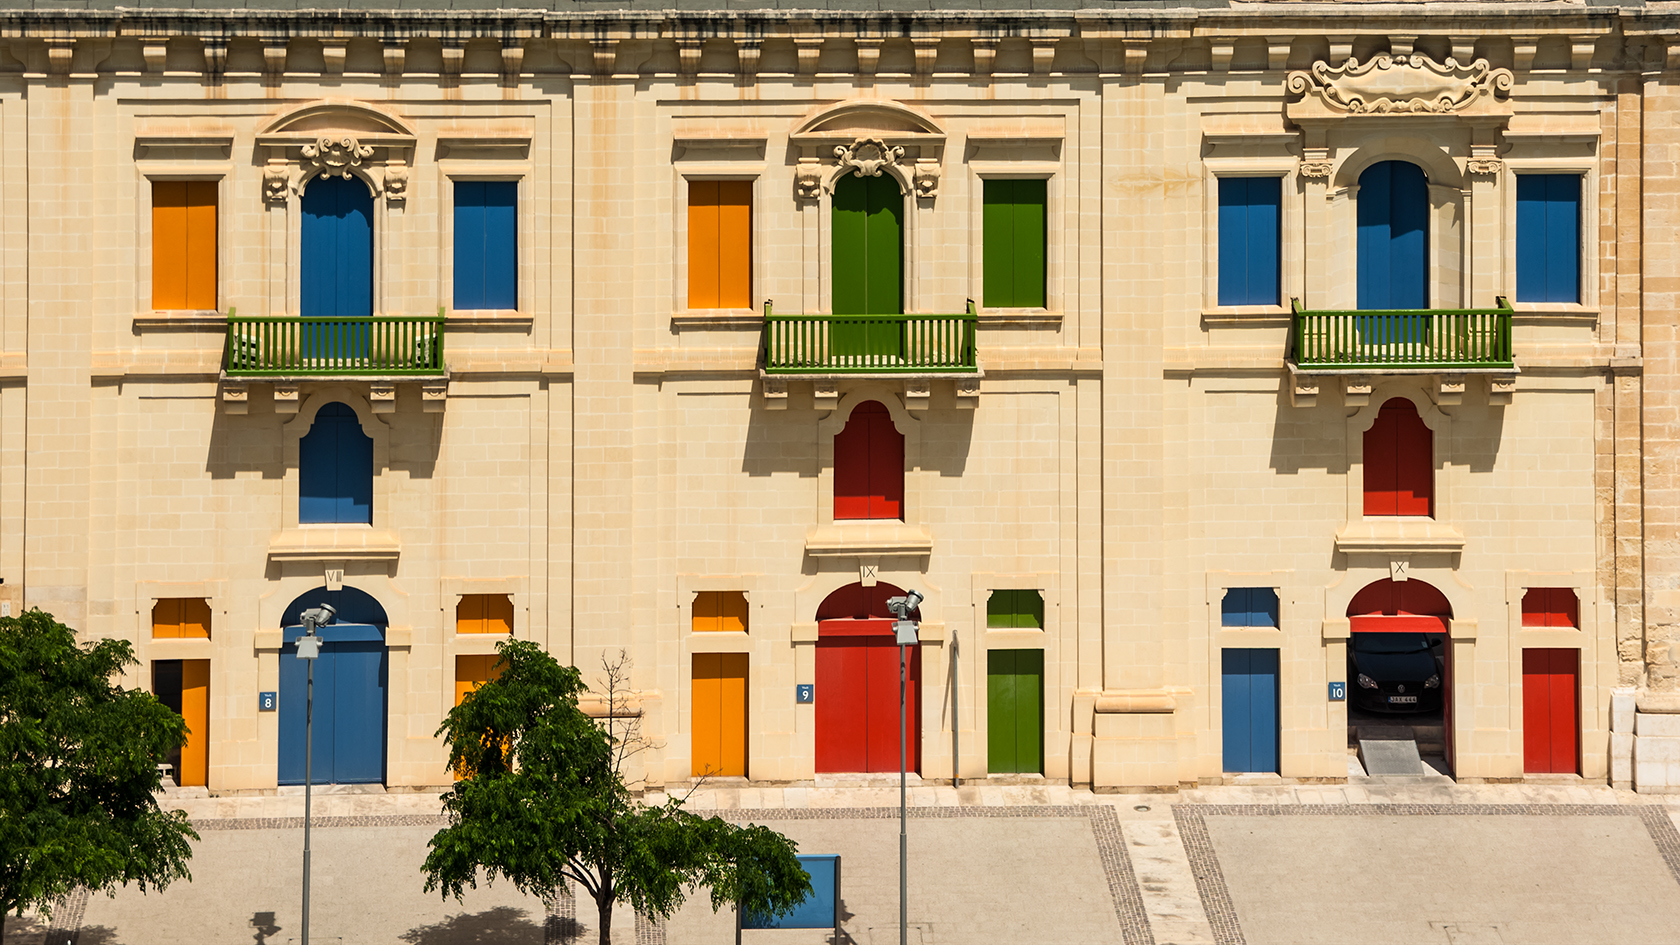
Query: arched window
{"x": 337, "y": 251}
{"x": 335, "y": 469}
{"x": 1393, "y": 220}
{"x": 868, "y": 245}
{"x": 1399, "y": 462}
{"x": 869, "y": 465}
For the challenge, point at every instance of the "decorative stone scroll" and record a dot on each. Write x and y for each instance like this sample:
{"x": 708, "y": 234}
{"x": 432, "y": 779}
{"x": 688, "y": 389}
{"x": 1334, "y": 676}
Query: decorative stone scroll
{"x": 1399, "y": 85}
{"x": 333, "y": 157}
{"x": 807, "y": 179}
{"x": 1487, "y": 166}
{"x": 1315, "y": 168}
{"x": 867, "y": 157}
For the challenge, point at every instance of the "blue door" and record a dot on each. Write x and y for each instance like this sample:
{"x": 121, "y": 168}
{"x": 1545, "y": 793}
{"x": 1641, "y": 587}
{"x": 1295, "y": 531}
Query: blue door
{"x": 1393, "y": 236}
{"x": 350, "y": 678}
{"x": 337, "y": 252}
{"x": 335, "y": 469}
{"x": 1250, "y": 696}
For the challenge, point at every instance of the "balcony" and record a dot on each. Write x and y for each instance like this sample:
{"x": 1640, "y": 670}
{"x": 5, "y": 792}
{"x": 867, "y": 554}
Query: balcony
{"x": 1417, "y": 340}
{"x": 869, "y": 344}
{"x": 370, "y": 346}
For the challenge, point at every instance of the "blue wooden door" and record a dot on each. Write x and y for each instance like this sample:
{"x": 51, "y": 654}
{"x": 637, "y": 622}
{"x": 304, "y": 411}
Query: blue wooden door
{"x": 337, "y": 252}
{"x": 1393, "y": 237}
{"x": 1250, "y": 697}
{"x": 350, "y": 693}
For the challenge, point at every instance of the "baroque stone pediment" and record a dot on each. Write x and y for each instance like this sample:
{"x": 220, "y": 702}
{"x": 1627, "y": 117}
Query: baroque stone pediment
{"x": 1399, "y": 85}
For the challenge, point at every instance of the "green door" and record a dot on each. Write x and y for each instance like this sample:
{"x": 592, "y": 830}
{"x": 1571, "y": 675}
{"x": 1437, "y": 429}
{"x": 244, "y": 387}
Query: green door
{"x": 1015, "y": 711}
{"x": 868, "y": 271}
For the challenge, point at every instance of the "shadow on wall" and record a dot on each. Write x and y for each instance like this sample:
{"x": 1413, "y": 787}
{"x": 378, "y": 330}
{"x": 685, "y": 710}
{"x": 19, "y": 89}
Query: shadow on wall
{"x": 255, "y": 442}
{"x": 1316, "y": 437}
{"x": 785, "y": 441}
{"x": 503, "y": 925}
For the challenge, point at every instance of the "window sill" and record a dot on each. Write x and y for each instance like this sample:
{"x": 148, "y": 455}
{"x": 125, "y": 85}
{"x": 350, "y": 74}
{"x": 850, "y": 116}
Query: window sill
{"x": 1555, "y": 309}
{"x": 742, "y": 318}
{"x": 1398, "y": 535}
{"x": 1235, "y": 313}
{"x": 1019, "y": 317}
{"x": 183, "y": 318}
{"x": 486, "y": 318}
{"x": 850, "y": 539}
{"x": 325, "y": 543}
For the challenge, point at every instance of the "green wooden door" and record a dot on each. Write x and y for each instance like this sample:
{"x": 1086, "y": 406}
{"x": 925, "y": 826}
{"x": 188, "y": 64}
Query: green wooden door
{"x": 868, "y": 271}
{"x": 1015, "y": 711}
{"x": 1013, "y": 243}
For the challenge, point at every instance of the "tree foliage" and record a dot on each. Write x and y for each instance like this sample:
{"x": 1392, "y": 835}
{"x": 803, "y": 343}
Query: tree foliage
{"x": 546, "y": 801}
{"x": 79, "y": 771}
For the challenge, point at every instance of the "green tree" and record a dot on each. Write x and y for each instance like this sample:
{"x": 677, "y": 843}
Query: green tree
{"x": 79, "y": 770}
{"x": 545, "y": 800}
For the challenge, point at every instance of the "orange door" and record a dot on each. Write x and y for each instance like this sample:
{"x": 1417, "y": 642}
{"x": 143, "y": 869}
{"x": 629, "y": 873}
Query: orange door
{"x": 720, "y": 714}
{"x": 195, "y": 708}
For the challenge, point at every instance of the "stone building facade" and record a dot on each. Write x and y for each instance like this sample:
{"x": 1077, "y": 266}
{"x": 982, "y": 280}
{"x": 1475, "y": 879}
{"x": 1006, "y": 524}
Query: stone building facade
{"x": 1124, "y": 427}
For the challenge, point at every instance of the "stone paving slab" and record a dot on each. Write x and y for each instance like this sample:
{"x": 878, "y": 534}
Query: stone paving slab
{"x": 1435, "y": 874}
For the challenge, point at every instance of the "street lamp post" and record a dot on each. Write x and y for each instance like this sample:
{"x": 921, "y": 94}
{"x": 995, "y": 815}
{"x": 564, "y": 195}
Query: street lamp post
{"x": 904, "y": 630}
{"x": 309, "y": 649}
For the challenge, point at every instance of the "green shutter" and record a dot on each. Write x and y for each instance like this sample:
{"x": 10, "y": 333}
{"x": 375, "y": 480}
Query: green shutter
{"x": 1015, "y": 711}
{"x": 868, "y": 272}
{"x": 1010, "y": 609}
{"x": 1013, "y": 240}
{"x": 850, "y": 236}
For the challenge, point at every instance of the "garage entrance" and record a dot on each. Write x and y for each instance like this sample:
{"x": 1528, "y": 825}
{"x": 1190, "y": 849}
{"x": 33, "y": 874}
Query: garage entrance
{"x": 350, "y": 692}
{"x": 1399, "y": 684}
{"x": 857, "y": 685}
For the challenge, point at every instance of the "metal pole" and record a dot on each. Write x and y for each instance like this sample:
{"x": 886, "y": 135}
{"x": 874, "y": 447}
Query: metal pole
{"x": 903, "y": 838}
{"x": 956, "y": 739}
{"x": 308, "y": 771}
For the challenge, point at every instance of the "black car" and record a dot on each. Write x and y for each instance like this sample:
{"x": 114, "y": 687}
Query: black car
{"x": 1395, "y": 672}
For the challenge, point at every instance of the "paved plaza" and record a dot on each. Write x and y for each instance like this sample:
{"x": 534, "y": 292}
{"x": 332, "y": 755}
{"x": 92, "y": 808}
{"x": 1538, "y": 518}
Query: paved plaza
{"x": 1419, "y": 861}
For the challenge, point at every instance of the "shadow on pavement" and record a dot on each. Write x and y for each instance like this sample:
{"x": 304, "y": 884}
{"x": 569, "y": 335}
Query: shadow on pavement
{"x": 503, "y": 924}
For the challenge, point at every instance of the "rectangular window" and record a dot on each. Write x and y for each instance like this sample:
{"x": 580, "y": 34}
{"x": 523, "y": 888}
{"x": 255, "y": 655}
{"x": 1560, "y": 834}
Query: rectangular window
{"x": 1014, "y": 221}
{"x": 1249, "y": 240}
{"x": 718, "y": 611}
{"x": 184, "y": 686}
{"x": 484, "y": 613}
{"x": 1551, "y": 607}
{"x": 181, "y": 618}
{"x": 1548, "y": 237}
{"x": 1022, "y": 610}
{"x": 486, "y": 245}
{"x": 1249, "y": 607}
{"x": 720, "y": 244}
{"x": 184, "y": 245}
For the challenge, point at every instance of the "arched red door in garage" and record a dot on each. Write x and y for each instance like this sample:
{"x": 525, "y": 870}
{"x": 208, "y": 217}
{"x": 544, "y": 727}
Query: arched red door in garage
{"x": 857, "y": 684}
{"x": 1410, "y": 606}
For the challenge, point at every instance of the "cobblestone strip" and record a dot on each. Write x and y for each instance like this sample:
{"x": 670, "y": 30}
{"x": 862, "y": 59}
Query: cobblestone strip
{"x": 1105, "y": 827}
{"x": 296, "y": 823}
{"x": 561, "y": 925}
{"x": 66, "y": 918}
{"x": 649, "y": 931}
{"x": 1204, "y": 865}
{"x": 1664, "y": 835}
{"x": 1170, "y": 896}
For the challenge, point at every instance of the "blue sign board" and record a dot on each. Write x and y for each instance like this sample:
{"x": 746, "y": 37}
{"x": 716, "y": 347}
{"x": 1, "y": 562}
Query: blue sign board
{"x": 267, "y": 701}
{"x": 1338, "y": 692}
{"x": 804, "y": 693}
{"x": 820, "y": 910}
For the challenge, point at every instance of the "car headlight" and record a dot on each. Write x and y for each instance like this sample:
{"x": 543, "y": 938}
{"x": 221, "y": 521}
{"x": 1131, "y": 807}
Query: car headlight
{"x": 1366, "y": 682}
{"x": 1433, "y": 682}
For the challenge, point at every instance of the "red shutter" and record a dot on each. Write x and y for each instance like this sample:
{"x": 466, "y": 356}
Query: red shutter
{"x": 1551, "y": 607}
{"x": 1381, "y": 464}
{"x": 886, "y": 467}
{"x": 1415, "y": 450}
{"x": 851, "y": 465}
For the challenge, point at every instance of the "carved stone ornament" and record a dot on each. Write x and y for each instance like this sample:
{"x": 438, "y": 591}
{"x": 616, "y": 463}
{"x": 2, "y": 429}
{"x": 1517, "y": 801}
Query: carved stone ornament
{"x": 807, "y": 179}
{"x": 868, "y": 156}
{"x": 396, "y": 183}
{"x": 927, "y": 178}
{"x": 333, "y": 157}
{"x": 275, "y": 183}
{"x": 1488, "y": 166}
{"x": 1400, "y": 85}
{"x": 1315, "y": 168}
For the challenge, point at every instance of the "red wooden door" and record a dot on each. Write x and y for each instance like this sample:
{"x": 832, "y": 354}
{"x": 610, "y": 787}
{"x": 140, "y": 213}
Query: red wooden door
{"x": 1550, "y": 710}
{"x": 857, "y": 698}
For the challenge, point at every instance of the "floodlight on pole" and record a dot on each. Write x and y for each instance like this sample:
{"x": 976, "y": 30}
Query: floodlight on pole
{"x": 309, "y": 650}
{"x": 905, "y": 633}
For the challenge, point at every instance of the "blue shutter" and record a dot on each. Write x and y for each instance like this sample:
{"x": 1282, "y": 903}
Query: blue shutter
{"x": 1548, "y": 237}
{"x": 1234, "y": 608}
{"x": 294, "y": 689}
{"x": 355, "y": 472}
{"x": 1249, "y": 236}
{"x": 501, "y": 245}
{"x": 469, "y": 245}
{"x": 335, "y": 469}
{"x": 1393, "y": 250}
{"x": 337, "y": 249}
{"x": 1262, "y": 607}
{"x": 359, "y": 726}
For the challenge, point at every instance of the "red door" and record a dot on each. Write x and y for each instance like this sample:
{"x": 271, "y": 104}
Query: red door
{"x": 1550, "y": 710}
{"x": 857, "y": 698}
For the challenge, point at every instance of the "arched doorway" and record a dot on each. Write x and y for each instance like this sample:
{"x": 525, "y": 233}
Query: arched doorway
{"x": 1400, "y": 660}
{"x": 1393, "y": 245}
{"x": 857, "y": 685}
{"x": 350, "y": 691}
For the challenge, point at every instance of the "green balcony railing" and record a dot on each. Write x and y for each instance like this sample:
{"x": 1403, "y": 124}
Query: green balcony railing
{"x": 1423, "y": 339}
{"x": 869, "y": 344}
{"x": 280, "y": 346}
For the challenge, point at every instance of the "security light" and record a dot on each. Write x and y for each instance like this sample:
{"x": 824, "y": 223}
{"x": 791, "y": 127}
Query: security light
{"x": 320, "y": 615}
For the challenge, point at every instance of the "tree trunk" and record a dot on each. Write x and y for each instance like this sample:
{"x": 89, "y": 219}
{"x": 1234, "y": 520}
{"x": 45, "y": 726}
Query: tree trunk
{"x": 603, "y": 906}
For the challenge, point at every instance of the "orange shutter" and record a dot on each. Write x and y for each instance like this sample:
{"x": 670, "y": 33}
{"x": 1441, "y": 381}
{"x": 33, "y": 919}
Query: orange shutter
{"x": 166, "y": 619}
{"x": 734, "y": 244}
{"x": 169, "y": 245}
{"x": 469, "y": 614}
{"x": 705, "y": 612}
{"x": 200, "y": 251}
{"x": 195, "y": 708}
{"x": 498, "y": 613}
{"x": 703, "y": 244}
{"x": 195, "y": 618}
{"x": 732, "y": 610}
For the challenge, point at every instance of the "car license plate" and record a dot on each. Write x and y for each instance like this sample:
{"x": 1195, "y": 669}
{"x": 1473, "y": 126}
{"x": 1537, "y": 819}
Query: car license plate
{"x": 1402, "y": 700}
